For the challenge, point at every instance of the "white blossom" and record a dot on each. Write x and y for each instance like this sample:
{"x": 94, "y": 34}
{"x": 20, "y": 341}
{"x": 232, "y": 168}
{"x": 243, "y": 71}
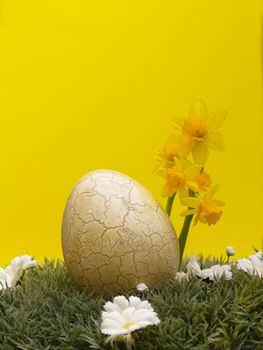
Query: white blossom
{"x": 142, "y": 287}
{"x": 3, "y": 279}
{"x": 254, "y": 266}
{"x": 181, "y": 276}
{"x": 245, "y": 265}
{"x": 23, "y": 262}
{"x": 124, "y": 316}
{"x": 213, "y": 273}
{"x": 193, "y": 267}
{"x": 230, "y": 251}
{"x": 13, "y": 272}
{"x": 258, "y": 255}
{"x": 217, "y": 271}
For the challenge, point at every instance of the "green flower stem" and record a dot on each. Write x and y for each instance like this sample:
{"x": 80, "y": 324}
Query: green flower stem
{"x": 169, "y": 204}
{"x": 184, "y": 234}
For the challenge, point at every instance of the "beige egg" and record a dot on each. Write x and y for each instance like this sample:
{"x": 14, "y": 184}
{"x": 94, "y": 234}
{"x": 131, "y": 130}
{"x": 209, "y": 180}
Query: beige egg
{"x": 116, "y": 235}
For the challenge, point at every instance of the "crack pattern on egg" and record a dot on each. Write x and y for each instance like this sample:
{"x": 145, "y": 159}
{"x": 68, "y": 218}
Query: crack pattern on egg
{"x": 116, "y": 235}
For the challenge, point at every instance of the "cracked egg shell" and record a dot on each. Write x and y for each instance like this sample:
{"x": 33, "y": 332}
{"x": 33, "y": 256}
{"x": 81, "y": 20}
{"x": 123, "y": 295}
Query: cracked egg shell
{"x": 116, "y": 235}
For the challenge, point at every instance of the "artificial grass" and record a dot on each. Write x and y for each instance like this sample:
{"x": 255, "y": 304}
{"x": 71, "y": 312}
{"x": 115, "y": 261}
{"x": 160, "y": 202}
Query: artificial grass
{"x": 48, "y": 312}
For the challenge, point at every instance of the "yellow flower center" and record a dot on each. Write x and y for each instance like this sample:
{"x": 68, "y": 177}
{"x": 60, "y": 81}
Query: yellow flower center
{"x": 195, "y": 129}
{"x": 128, "y": 324}
{"x": 169, "y": 153}
{"x": 210, "y": 211}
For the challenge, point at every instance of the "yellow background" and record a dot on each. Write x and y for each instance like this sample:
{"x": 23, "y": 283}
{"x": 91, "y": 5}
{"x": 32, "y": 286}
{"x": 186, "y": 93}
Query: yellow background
{"x": 94, "y": 84}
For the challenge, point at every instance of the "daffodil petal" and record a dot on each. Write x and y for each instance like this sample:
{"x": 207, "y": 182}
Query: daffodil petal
{"x": 177, "y": 122}
{"x": 160, "y": 171}
{"x": 185, "y": 163}
{"x": 190, "y": 202}
{"x": 202, "y": 219}
{"x": 210, "y": 194}
{"x": 216, "y": 120}
{"x": 188, "y": 212}
{"x": 184, "y": 145}
{"x": 172, "y": 140}
{"x": 183, "y": 192}
{"x": 219, "y": 203}
{"x": 192, "y": 186}
{"x": 192, "y": 171}
{"x": 166, "y": 192}
{"x": 196, "y": 218}
{"x": 215, "y": 141}
{"x": 200, "y": 152}
{"x": 198, "y": 110}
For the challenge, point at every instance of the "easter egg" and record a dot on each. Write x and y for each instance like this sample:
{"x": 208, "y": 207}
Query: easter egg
{"x": 116, "y": 235}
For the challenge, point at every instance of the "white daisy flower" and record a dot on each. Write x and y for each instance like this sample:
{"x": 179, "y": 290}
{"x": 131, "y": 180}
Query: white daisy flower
{"x": 258, "y": 255}
{"x": 181, "y": 276}
{"x": 8, "y": 278}
{"x": 13, "y": 272}
{"x": 193, "y": 267}
{"x": 213, "y": 273}
{"x": 245, "y": 265}
{"x": 18, "y": 265}
{"x": 124, "y": 316}
{"x": 230, "y": 251}
{"x": 217, "y": 271}
{"x": 3, "y": 282}
{"x": 142, "y": 287}
{"x": 254, "y": 266}
{"x": 23, "y": 262}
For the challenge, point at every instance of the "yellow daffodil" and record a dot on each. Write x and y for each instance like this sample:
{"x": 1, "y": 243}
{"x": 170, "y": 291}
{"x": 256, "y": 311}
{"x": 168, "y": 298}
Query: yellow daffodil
{"x": 203, "y": 181}
{"x": 199, "y": 132}
{"x": 170, "y": 153}
{"x": 180, "y": 178}
{"x": 206, "y": 209}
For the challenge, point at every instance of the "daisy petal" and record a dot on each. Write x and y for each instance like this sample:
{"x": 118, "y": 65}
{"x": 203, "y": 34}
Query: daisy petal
{"x": 109, "y": 323}
{"x": 128, "y": 313}
{"x": 109, "y": 306}
{"x": 134, "y": 301}
{"x": 121, "y": 302}
{"x": 245, "y": 265}
{"x": 145, "y": 305}
{"x": 113, "y": 331}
